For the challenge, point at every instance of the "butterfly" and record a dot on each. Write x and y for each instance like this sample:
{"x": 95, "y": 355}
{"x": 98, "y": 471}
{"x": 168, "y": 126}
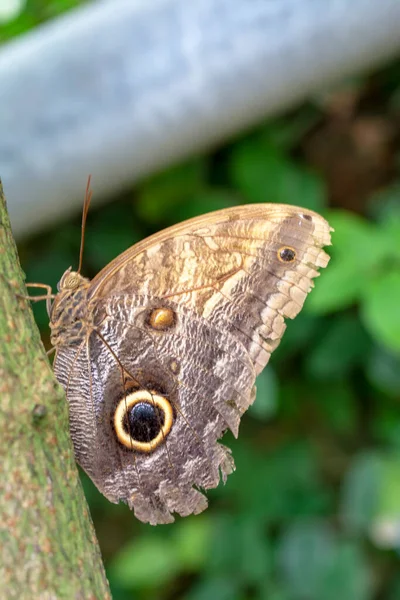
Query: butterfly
{"x": 159, "y": 353}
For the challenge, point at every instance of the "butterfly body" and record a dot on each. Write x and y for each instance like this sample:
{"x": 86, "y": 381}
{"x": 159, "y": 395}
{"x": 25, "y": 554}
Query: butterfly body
{"x": 159, "y": 352}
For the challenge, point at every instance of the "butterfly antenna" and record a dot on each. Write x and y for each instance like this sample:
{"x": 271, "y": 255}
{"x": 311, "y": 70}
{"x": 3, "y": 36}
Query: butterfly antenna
{"x": 86, "y": 204}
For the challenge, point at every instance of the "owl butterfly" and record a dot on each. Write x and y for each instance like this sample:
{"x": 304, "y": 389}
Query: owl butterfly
{"x": 158, "y": 354}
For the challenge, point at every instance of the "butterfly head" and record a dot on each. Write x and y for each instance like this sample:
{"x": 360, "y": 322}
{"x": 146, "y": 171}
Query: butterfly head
{"x": 71, "y": 280}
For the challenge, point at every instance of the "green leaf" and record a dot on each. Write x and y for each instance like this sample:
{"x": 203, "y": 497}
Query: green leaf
{"x": 109, "y": 234}
{"x": 218, "y": 588}
{"x": 389, "y": 497}
{"x": 255, "y": 560}
{"x": 359, "y": 250}
{"x": 367, "y": 244}
{"x": 203, "y": 202}
{"x": 299, "y": 334}
{"x": 385, "y": 426}
{"x": 358, "y": 241}
{"x": 343, "y": 346}
{"x": 158, "y": 198}
{"x": 240, "y": 546}
{"x": 155, "y": 560}
{"x": 385, "y": 208}
{"x": 385, "y": 530}
{"x": 305, "y": 552}
{"x": 338, "y": 287}
{"x": 276, "y": 484}
{"x": 348, "y": 576}
{"x": 274, "y": 592}
{"x": 383, "y": 370}
{"x": 147, "y": 562}
{"x": 336, "y": 402}
{"x": 263, "y": 174}
{"x": 360, "y": 492}
{"x": 394, "y": 593}
{"x": 266, "y": 402}
{"x": 192, "y": 540}
{"x": 380, "y": 309}
{"x": 316, "y": 564}
{"x": 288, "y": 131}
{"x": 225, "y": 551}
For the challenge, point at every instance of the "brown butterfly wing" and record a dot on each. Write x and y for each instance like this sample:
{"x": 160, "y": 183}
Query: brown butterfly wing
{"x": 204, "y": 374}
{"x": 226, "y": 279}
{"x": 227, "y": 268}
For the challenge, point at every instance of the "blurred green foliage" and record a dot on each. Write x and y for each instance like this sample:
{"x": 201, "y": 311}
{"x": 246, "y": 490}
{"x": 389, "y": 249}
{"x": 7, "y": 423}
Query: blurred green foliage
{"x": 313, "y": 510}
{"x": 27, "y": 14}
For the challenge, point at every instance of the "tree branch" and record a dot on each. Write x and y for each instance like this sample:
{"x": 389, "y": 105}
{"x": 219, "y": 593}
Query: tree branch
{"x": 48, "y": 545}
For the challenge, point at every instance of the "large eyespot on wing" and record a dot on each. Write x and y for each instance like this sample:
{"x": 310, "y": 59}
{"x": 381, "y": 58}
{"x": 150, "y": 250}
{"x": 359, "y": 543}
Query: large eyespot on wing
{"x": 163, "y": 396}
{"x": 214, "y": 293}
{"x": 145, "y": 414}
{"x": 244, "y": 269}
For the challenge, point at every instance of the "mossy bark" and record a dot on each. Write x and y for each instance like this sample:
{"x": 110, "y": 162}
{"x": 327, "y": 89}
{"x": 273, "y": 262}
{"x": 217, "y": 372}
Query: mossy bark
{"x": 48, "y": 548}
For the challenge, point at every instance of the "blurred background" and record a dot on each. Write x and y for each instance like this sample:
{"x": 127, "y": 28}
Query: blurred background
{"x": 313, "y": 509}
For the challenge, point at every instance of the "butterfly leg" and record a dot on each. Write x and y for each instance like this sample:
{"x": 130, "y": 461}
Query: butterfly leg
{"x": 49, "y": 296}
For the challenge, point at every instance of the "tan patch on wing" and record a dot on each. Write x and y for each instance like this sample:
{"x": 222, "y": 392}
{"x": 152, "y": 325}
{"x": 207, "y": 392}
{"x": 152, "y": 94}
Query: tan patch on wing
{"x": 228, "y": 268}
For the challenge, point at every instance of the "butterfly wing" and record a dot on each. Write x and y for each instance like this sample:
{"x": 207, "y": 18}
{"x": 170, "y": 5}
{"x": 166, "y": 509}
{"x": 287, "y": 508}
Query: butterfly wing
{"x": 203, "y": 374}
{"x": 188, "y": 317}
{"x": 244, "y": 269}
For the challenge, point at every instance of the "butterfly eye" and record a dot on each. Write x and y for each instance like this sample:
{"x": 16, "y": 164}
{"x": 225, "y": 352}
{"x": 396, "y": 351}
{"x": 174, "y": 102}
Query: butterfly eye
{"x": 161, "y": 318}
{"x": 71, "y": 280}
{"x": 286, "y": 254}
{"x": 143, "y": 420}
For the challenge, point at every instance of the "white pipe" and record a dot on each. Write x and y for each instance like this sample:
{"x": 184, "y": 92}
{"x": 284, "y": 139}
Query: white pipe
{"x": 120, "y": 89}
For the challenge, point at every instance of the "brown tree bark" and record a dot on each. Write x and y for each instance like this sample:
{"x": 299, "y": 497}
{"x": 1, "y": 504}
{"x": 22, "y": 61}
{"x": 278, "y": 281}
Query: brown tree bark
{"x": 48, "y": 548}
